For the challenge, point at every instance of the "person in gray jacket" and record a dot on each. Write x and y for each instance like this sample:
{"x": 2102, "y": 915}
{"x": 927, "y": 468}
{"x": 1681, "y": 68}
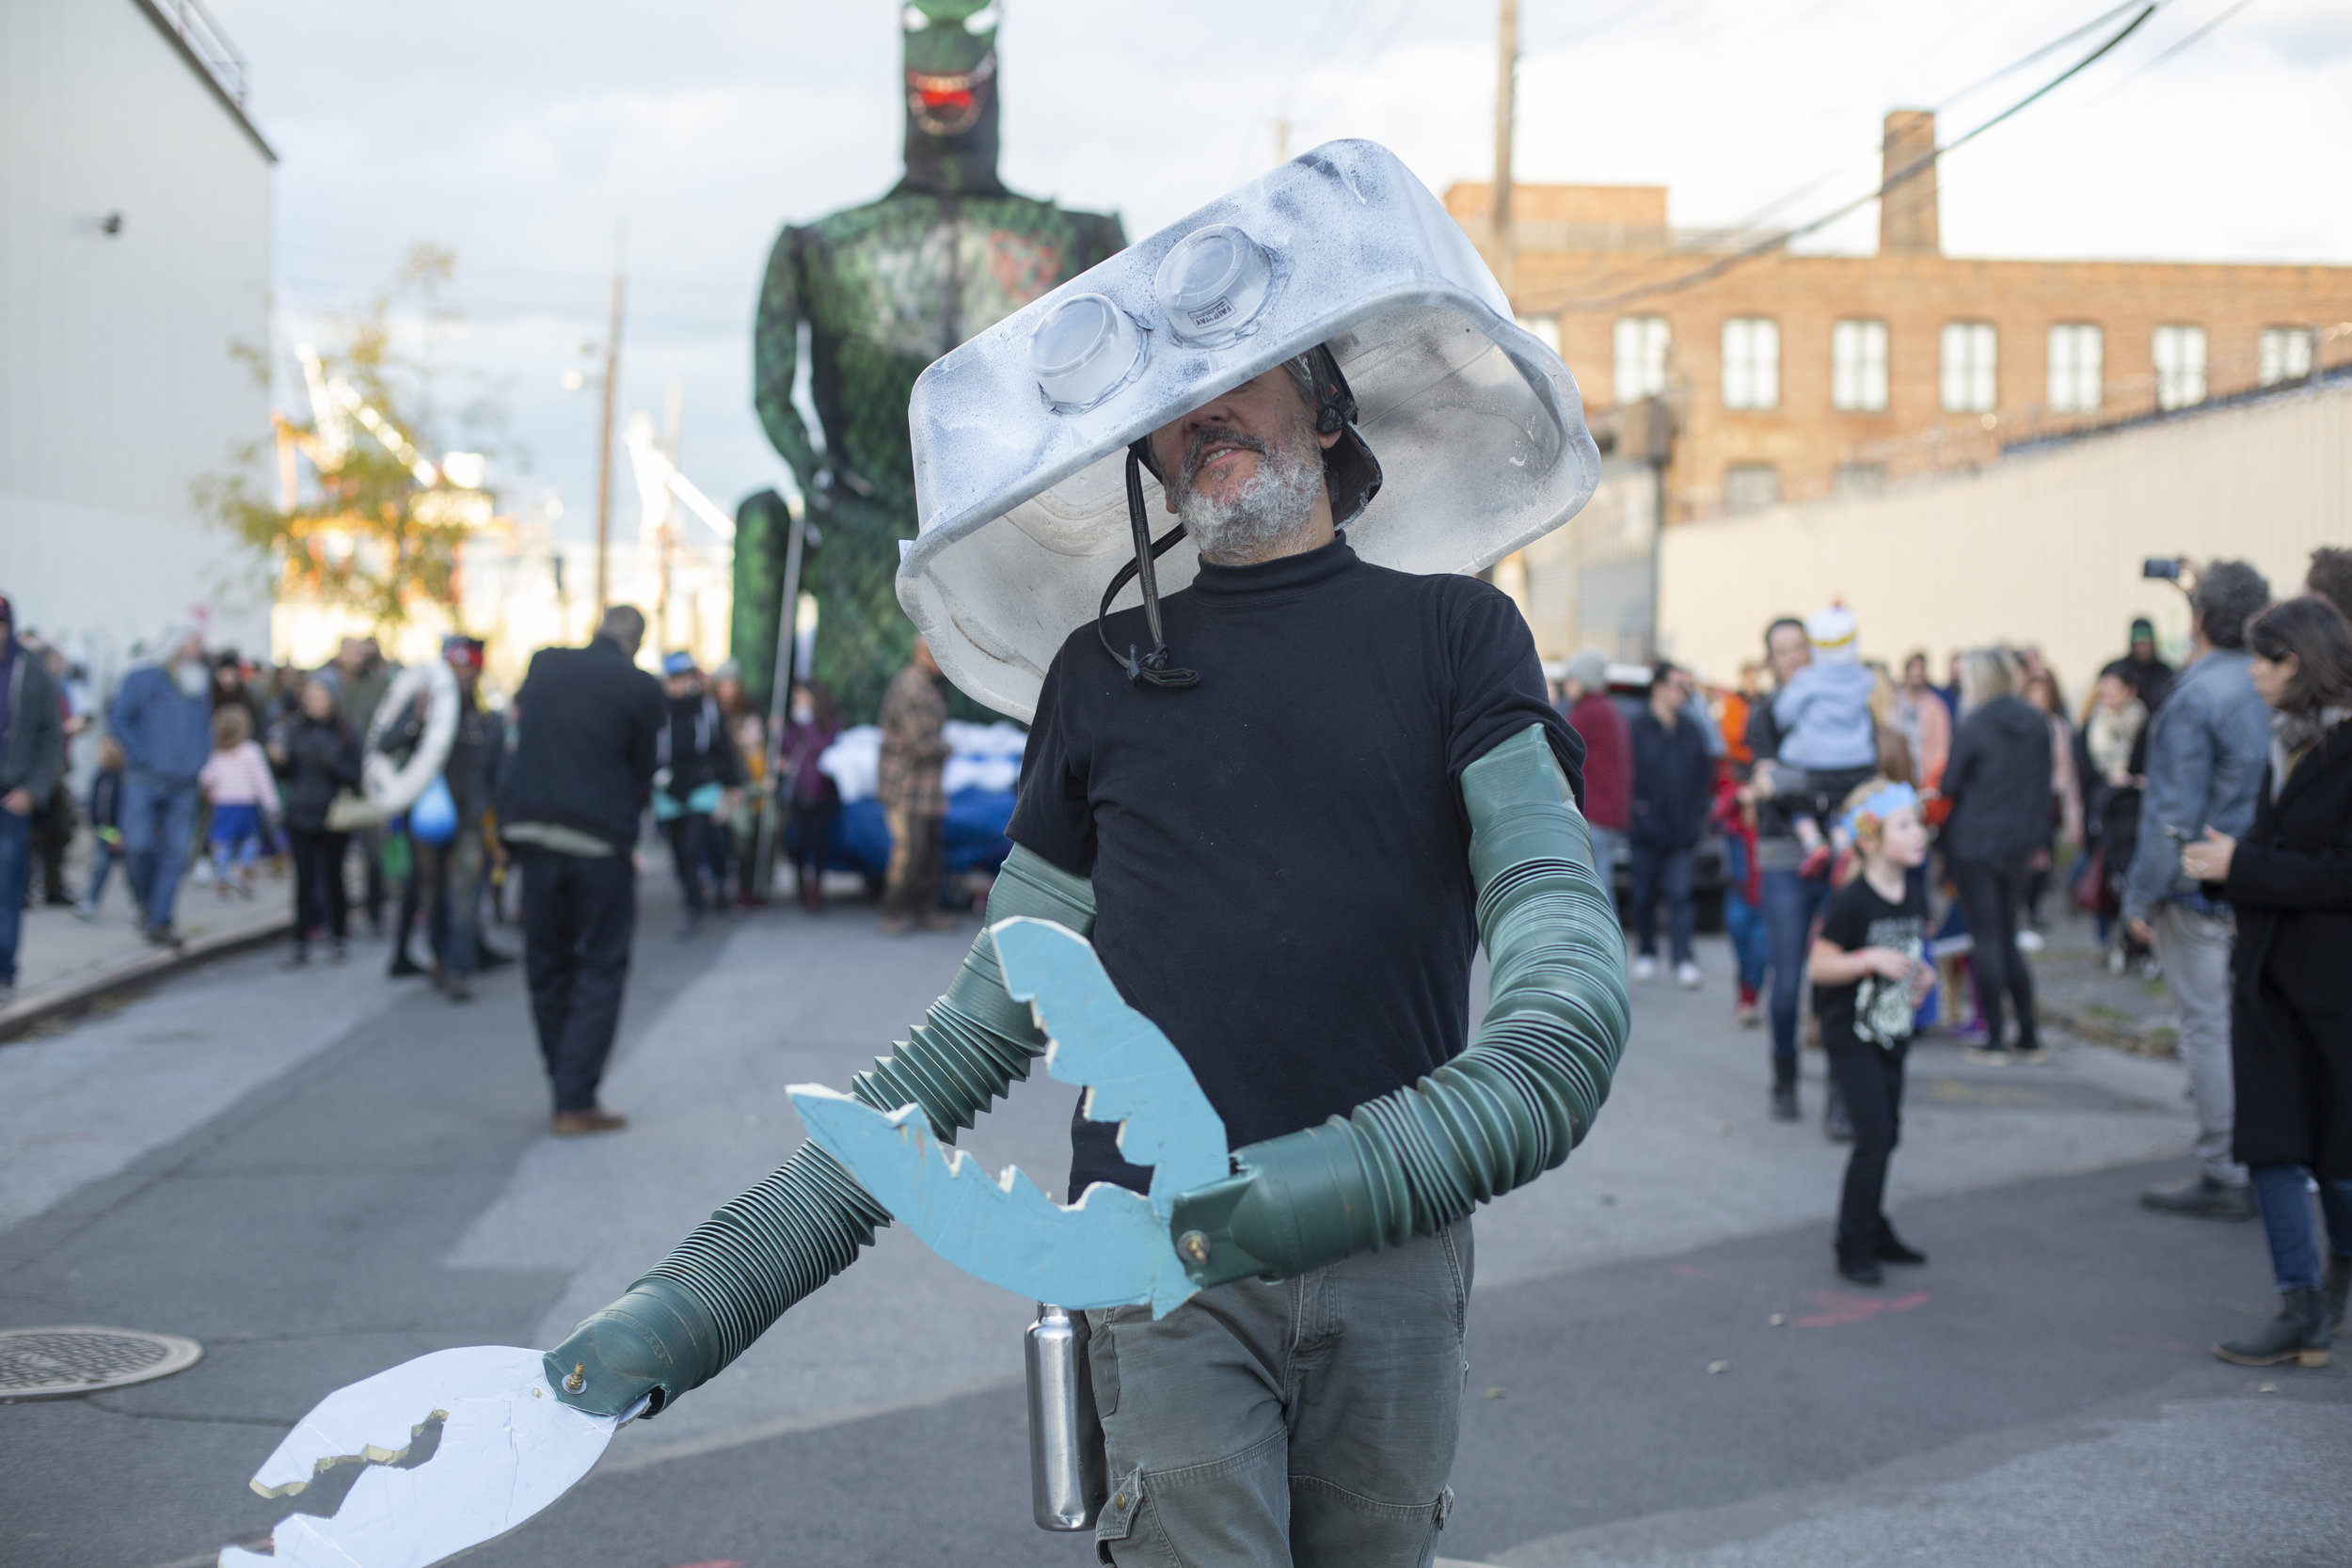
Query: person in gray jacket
{"x": 32, "y": 752}
{"x": 2207, "y": 745}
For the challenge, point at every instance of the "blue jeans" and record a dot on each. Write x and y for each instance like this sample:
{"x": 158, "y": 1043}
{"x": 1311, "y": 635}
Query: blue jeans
{"x": 1790, "y": 902}
{"x": 103, "y": 853}
{"x": 1657, "y": 868}
{"x": 2286, "y": 1205}
{"x": 16, "y": 870}
{"x": 158, "y": 825}
{"x": 1308, "y": 1421}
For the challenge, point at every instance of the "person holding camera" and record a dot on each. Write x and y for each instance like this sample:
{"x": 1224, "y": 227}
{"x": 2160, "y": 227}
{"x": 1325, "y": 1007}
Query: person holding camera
{"x": 2207, "y": 745}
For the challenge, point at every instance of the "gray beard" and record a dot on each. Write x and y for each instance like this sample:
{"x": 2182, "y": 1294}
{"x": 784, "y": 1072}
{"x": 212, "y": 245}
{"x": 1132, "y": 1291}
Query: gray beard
{"x": 1273, "y": 507}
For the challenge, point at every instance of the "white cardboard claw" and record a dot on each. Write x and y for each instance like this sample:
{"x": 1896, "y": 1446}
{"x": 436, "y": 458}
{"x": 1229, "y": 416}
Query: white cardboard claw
{"x": 508, "y": 1449}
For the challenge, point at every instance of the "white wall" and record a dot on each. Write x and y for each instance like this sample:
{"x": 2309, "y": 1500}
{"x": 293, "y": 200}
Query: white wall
{"x": 117, "y": 384}
{"x": 2041, "y": 548}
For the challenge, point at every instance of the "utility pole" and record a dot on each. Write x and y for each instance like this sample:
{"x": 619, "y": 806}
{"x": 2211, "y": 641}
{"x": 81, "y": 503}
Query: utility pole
{"x": 672, "y": 411}
{"x": 1506, "y": 105}
{"x": 1282, "y": 137}
{"x": 604, "y": 441}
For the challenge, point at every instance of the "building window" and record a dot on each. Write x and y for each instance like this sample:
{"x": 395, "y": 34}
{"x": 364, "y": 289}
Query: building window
{"x": 1751, "y": 487}
{"x": 1642, "y": 345}
{"x": 1857, "y": 366}
{"x": 1751, "y": 362}
{"x": 2076, "y": 351}
{"x": 1968, "y": 367}
{"x": 1861, "y": 479}
{"x": 2180, "y": 353}
{"x": 2286, "y": 354}
{"x": 1546, "y": 329}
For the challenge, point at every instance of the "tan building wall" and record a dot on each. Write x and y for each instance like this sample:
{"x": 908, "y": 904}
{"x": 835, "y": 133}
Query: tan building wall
{"x": 1580, "y": 251}
{"x": 2043, "y": 547}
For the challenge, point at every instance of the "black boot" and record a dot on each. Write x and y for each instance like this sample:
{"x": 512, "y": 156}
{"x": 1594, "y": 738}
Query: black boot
{"x": 1859, "y": 1267}
{"x": 1837, "y": 1126}
{"x": 2339, "y": 1286}
{"x": 2298, "y": 1334}
{"x": 1785, "y": 1091}
{"x": 1889, "y": 1248}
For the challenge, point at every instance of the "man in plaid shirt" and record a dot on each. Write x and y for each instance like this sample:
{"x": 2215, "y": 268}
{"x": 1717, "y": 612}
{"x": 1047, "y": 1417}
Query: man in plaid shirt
{"x": 913, "y": 794}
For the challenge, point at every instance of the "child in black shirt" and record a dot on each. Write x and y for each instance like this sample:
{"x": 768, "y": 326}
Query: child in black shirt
{"x": 1870, "y": 973}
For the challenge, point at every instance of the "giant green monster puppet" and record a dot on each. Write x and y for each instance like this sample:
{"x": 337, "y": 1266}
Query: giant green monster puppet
{"x": 883, "y": 289}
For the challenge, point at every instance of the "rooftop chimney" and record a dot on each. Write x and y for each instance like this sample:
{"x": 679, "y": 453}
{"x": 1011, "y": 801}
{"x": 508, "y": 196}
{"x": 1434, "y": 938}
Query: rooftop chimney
{"x": 1907, "y": 223}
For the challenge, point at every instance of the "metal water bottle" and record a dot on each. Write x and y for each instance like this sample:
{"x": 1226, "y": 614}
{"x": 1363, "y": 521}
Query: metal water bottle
{"x": 1069, "y": 1476}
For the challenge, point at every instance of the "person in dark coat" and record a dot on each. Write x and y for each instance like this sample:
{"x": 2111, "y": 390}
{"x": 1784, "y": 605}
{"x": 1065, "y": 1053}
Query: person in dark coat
{"x": 1673, "y": 782}
{"x": 589, "y": 721}
{"x": 697, "y": 778}
{"x": 315, "y": 758}
{"x": 2290, "y": 882}
{"x": 1999, "y": 782}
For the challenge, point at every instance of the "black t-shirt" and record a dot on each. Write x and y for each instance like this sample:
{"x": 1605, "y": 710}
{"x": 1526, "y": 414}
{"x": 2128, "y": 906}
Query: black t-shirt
{"x": 1280, "y": 854}
{"x": 1872, "y": 1011}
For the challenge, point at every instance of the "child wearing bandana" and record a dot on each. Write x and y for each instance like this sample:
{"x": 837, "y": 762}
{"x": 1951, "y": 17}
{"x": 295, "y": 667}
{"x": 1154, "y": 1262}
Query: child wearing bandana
{"x": 1869, "y": 974}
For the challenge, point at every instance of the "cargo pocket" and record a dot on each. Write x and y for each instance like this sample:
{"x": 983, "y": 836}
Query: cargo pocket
{"x": 1121, "y": 1511}
{"x": 1102, "y": 1358}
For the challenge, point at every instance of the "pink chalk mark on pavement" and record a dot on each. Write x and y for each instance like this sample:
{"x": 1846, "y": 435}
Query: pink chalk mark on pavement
{"x": 1834, "y": 1309}
{"x": 1691, "y": 1271}
{"x": 715, "y": 1562}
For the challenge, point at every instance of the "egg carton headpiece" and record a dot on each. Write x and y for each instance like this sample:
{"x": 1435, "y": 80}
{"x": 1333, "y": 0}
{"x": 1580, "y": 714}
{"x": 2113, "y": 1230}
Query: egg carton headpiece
{"x": 1021, "y": 436}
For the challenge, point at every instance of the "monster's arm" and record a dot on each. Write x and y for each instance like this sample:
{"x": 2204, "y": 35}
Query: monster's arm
{"x": 1504, "y": 1111}
{"x": 741, "y": 1268}
{"x": 776, "y": 358}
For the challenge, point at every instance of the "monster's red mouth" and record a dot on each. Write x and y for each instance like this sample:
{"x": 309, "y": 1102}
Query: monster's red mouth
{"x": 948, "y": 103}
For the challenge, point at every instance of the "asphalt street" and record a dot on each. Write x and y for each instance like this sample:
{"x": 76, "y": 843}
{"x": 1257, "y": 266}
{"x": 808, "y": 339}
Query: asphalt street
{"x": 320, "y": 1174}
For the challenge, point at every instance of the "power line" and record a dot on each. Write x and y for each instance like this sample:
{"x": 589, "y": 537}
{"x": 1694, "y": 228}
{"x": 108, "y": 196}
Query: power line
{"x": 2189, "y": 43}
{"x": 1748, "y": 253}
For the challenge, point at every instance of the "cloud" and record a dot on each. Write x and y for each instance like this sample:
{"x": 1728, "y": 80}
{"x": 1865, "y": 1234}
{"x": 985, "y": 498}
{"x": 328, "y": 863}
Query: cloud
{"x": 526, "y": 136}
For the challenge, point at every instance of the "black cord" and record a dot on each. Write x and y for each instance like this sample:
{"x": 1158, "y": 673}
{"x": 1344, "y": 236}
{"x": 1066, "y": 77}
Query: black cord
{"x": 1152, "y": 669}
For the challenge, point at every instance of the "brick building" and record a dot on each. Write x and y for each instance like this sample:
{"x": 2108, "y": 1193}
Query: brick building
{"x": 1789, "y": 377}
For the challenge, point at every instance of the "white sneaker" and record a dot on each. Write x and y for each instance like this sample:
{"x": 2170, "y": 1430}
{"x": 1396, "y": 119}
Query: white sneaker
{"x": 1686, "y": 975}
{"x": 1646, "y": 968}
{"x": 2028, "y": 940}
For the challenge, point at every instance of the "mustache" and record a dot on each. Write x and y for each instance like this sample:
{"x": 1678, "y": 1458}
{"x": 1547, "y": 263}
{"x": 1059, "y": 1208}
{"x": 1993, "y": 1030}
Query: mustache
{"x": 1195, "y": 452}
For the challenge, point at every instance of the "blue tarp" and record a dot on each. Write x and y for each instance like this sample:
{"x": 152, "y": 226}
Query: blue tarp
{"x": 975, "y": 836}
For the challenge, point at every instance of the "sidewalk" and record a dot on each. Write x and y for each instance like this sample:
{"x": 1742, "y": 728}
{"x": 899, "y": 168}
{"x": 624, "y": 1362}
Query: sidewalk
{"x": 2078, "y": 995}
{"x": 63, "y": 964}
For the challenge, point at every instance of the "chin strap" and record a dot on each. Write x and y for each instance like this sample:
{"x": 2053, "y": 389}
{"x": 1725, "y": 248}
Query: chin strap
{"x": 1151, "y": 669}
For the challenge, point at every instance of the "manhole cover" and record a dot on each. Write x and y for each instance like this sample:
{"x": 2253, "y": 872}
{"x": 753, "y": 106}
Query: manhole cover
{"x": 57, "y": 1363}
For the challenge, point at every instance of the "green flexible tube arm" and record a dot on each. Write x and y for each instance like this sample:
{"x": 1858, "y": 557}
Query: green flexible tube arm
{"x": 740, "y": 1270}
{"x": 1508, "y": 1108}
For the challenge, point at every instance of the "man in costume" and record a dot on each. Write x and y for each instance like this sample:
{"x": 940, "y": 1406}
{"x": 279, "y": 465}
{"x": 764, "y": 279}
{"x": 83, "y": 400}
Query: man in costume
{"x": 883, "y": 289}
{"x": 1285, "y": 829}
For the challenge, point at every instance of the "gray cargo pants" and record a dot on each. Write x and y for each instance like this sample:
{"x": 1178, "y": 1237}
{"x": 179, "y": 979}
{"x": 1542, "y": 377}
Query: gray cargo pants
{"x": 1307, "y": 1422}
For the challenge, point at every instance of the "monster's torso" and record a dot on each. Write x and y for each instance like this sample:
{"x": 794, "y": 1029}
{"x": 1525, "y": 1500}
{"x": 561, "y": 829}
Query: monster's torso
{"x": 889, "y": 287}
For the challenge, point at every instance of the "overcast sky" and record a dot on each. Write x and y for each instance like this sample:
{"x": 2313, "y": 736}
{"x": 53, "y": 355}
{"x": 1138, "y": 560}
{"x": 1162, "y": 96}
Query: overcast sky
{"x": 524, "y": 135}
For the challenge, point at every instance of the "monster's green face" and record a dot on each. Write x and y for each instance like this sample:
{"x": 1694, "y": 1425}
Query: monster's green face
{"x": 951, "y": 62}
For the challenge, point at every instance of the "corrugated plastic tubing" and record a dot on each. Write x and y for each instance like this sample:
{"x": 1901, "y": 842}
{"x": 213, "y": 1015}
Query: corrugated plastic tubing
{"x": 1525, "y": 1092}
{"x": 758, "y": 1255}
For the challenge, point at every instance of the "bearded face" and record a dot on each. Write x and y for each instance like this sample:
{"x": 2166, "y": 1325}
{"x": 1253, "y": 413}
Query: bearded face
{"x": 951, "y": 63}
{"x": 1250, "y": 517}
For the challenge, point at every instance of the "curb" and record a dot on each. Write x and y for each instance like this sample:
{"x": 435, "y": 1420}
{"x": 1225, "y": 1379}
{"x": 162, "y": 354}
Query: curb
{"x": 22, "y": 1017}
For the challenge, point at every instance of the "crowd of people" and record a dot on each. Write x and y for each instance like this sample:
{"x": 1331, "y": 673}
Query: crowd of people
{"x": 1889, "y": 841}
{"x": 1895, "y": 843}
